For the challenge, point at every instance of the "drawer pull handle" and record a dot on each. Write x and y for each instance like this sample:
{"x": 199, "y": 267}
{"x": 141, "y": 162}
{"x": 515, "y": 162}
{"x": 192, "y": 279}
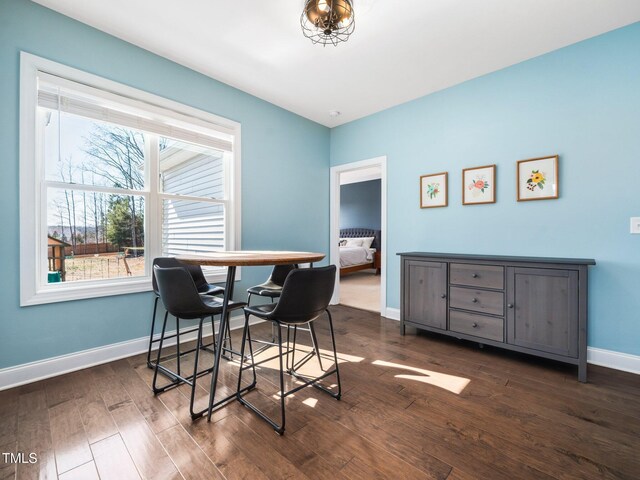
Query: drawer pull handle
{"x": 475, "y": 300}
{"x": 475, "y": 275}
{"x": 510, "y": 305}
{"x": 443, "y": 296}
{"x": 474, "y": 325}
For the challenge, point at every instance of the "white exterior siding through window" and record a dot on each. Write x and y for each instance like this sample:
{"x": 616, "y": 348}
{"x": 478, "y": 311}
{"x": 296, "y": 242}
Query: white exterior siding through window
{"x": 192, "y": 225}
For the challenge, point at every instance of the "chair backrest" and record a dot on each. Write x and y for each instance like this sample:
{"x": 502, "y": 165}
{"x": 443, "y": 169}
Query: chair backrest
{"x": 194, "y": 270}
{"x": 198, "y": 276}
{"x": 305, "y": 294}
{"x": 280, "y": 272}
{"x": 164, "y": 262}
{"x": 178, "y": 292}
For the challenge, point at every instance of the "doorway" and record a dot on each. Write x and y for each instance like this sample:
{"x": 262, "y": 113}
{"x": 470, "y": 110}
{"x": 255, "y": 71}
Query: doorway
{"x": 360, "y": 173}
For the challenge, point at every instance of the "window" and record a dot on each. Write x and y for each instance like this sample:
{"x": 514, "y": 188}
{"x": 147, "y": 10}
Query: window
{"x": 111, "y": 177}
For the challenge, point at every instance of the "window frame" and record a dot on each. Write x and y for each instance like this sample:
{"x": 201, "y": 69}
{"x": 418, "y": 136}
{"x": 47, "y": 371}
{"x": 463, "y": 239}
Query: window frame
{"x": 32, "y": 184}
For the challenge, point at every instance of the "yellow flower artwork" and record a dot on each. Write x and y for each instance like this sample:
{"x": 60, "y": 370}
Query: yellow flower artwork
{"x": 538, "y": 178}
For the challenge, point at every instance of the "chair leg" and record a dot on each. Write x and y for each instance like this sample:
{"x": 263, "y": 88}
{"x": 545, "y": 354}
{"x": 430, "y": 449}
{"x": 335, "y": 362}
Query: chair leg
{"x": 227, "y": 352}
{"x": 246, "y": 334}
{"x": 229, "y": 339}
{"x": 335, "y": 355}
{"x": 279, "y": 428}
{"x": 314, "y": 352}
{"x": 195, "y": 367}
{"x": 314, "y": 343}
{"x": 153, "y": 326}
{"x": 175, "y": 377}
{"x": 288, "y": 347}
{"x": 253, "y": 364}
{"x": 242, "y": 345}
{"x": 155, "y": 372}
{"x": 315, "y": 381}
{"x": 273, "y": 325}
{"x": 293, "y": 350}
{"x": 178, "y": 344}
{"x": 213, "y": 332}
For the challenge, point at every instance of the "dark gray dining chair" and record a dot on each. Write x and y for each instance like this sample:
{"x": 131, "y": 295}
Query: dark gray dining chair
{"x": 304, "y": 298}
{"x": 203, "y": 287}
{"x": 180, "y": 296}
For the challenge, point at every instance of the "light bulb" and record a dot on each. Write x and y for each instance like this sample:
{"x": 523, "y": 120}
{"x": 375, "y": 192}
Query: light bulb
{"x": 344, "y": 22}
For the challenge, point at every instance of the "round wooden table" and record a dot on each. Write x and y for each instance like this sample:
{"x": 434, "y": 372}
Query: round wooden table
{"x": 244, "y": 258}
{"x": 231, "y": 260}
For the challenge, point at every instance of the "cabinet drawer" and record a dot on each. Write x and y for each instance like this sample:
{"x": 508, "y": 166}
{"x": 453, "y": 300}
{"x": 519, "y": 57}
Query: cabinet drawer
{"x": 482, "y": 326}
{"x": 485, "y": 276}
{"x": 482, "y": 301}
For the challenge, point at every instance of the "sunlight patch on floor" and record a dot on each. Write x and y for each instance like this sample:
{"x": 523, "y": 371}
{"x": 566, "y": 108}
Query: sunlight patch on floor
{"x": 268, "y": 359}
{"x": 452, "y": 383}
{"x": 310, "y": 402}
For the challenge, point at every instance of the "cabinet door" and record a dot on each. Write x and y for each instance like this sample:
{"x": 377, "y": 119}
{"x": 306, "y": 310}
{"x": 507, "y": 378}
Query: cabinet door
{"x": 425, "y": 293}
{"x": 542, "y": 310}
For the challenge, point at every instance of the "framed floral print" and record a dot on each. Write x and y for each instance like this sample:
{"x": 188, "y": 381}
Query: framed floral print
{"x": 538, "y": 178}
{"x": 433, "y": 190}
{"x": 479, "y": 185}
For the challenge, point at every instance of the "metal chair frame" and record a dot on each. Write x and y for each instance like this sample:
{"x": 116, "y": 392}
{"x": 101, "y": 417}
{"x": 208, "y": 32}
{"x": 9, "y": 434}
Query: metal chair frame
{"x": 279, "y": 426}
{"x": 199, "y": 279}
{"x": 266, "y": 344}
{"x": 176, "y": 377}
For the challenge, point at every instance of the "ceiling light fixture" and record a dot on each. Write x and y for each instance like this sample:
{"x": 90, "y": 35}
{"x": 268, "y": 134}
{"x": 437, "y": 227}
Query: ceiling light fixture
{"x": 327, "y": 21}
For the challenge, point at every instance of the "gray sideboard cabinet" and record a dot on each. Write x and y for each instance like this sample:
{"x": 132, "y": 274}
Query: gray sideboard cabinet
{"x": 528, "y": 304}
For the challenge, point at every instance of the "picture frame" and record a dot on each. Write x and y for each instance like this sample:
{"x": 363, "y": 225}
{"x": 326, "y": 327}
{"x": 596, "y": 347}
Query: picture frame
{"x": 537, "y": 178}
{"x": 479, "y": 185}
{"x": 434, "y": 190}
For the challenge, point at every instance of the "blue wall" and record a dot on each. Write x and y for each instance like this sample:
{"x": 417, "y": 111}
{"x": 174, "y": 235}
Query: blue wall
{"x": 360, "y": 204}
{"x": 581, "y": 102}
{"x": 280, "y": 152}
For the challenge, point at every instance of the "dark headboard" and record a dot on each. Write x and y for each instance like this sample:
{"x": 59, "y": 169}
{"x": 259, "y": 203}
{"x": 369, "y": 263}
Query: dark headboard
{"x": 363, "y": 232}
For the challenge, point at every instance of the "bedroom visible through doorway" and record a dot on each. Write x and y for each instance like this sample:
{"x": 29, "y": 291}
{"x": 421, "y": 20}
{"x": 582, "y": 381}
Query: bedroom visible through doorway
{"x": 353, "y": 173}
{"x": 360, "y": 238}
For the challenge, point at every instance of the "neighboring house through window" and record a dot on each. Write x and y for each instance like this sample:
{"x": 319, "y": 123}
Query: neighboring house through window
{"x": 111, "y": 177}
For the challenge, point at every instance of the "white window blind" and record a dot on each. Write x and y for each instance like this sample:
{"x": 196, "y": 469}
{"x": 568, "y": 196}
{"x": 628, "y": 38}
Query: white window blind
{"x": 60, "y": 94}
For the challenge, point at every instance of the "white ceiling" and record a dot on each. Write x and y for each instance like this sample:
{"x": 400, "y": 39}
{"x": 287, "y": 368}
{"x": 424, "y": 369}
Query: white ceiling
{"x": 401, "y": 49}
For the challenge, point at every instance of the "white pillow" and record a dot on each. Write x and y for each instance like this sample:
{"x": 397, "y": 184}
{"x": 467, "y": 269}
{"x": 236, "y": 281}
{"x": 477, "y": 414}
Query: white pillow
{"x": 364, "y": 242}
{"x": 367, "y": 241}
{"x": 354, "y": 242}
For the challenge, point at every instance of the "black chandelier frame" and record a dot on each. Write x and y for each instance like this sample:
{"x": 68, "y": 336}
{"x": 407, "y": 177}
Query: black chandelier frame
{"x": 327, "y": 30}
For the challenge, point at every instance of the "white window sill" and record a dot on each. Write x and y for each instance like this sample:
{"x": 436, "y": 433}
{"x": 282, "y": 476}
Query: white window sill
{"x": 64, "y": 292}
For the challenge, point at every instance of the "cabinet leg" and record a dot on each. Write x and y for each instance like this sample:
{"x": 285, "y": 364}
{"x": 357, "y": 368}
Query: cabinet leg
{"x": 407, "y": 330}
{"x": 582, "y": 372}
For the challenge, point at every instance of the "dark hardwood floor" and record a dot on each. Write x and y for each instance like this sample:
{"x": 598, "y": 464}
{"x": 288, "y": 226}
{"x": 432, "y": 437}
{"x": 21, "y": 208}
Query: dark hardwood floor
{"x": 413, "y": 407}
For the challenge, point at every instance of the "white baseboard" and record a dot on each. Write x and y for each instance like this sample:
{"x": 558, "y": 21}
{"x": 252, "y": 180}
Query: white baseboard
{"x": 595, "y": 356}
{"x": 392, "y": 313}
{"x": 617, "y": 360}
{"x": 51, "y": 367}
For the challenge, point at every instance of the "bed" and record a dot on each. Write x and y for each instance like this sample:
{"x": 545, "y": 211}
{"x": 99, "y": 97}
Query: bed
{"x": 356, "y": 255}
